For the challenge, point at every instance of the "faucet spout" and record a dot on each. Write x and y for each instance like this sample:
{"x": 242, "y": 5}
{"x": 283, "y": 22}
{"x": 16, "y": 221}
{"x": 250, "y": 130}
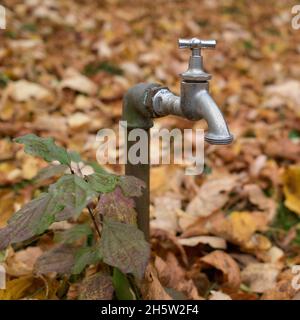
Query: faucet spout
{"x": 195, "y": 103}
{"x": 218, "y": 132}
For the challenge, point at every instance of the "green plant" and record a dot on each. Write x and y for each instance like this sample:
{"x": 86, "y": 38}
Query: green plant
{"x": 111, "y": 239}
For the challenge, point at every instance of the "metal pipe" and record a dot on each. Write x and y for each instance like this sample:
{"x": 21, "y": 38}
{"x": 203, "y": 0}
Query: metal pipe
{"x": 137, "y": 112}
{"x": 142, "y": 203}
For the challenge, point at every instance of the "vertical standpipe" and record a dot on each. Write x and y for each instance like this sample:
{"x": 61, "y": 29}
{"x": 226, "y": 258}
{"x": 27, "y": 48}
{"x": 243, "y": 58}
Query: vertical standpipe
{"x": 137, "y": 112}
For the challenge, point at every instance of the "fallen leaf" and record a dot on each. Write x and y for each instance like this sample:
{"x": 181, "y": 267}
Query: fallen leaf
{"x": 164, "y": 211}
{"x": 176, "y": 279}
{"x": 260, "y": 277}
{"x": 16, "y": 288}
{"x": 223, "y": 262}
{"x": 78, "y": 82}
{"x": 78, "y": 120}
{"x": 214, "y": 242}
{"x": 151, "y": 287}
{"x": 289, "y": 90}
{"x": 291, "y": 188}
{"x": 212, "y": 195}
{"x": 218, "y": 295}
{"x": 21, "y": 263}
{"x": 283, "y": 289}
{"x": 258, "y": 198}
{"x": 238, "y": 227}
{"x": 24, "y": 90}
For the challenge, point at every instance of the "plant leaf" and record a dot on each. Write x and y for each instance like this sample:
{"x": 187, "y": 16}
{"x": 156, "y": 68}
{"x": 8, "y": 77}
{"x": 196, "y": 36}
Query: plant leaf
{"x": 122, "y": 286}
{"x": 116, "y": 206}
{"x": 73, "y": 234}
{"x": 84, "y": 257}
{"x": 102, "y": 182}
{"x": 131, "y": 186}
{"x": 44, "y": 148}
{"x": 75, "y": 156}
{"x": 50, "y": 172}
{"x": 97, "y": 287}
{"x": 34, "y": 218}
{"x": 73, "y": 193}
{"x": 60, "y": 259}
{"x": 124, "y": 246}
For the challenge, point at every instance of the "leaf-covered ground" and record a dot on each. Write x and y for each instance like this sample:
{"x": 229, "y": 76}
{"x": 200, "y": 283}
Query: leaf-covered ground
{"x": 231, "y": 233}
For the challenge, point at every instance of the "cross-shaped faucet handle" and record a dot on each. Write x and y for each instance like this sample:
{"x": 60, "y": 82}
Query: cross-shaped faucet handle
{"x": 196, "y": 43}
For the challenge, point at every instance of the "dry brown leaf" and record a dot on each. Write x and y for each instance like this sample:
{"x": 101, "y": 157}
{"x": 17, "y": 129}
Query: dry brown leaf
{"x": 288, "y": 90}
{"x": 176, "y": 279}
{"x": 24, "y": 90}
{"x": 204, "y": 225}
{"x": 165, "y": 178}
{"x": 78, "y": 82}
{"x": 212, "y": 195}
{"x": 258, "y": 198}
{"x": 165, "y": 213}
{"x": 260, "y": 277}
{"x": 240, "y": 228}
{"x": 218, "y": 295}
{"x": 223, "y": 262}
{"x": 214, "y": 242}
{"x": 78, "y": 120}
{"x": 21, "y": 263}
{"x": 151, "y": 287}
{"x": 283, "y": 289}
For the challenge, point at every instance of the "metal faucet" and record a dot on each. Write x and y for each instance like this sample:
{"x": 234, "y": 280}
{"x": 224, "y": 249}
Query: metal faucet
{"x": 144, "y": 102}
{"x": 194, "y": 102}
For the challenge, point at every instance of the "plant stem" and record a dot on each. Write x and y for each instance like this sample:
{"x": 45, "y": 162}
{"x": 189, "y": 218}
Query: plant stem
{"x": 94, "y": 220}
{"x": 88, "y": 206}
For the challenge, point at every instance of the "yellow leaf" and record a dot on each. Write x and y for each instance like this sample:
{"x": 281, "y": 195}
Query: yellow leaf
{"x": 291, "y": 188}
{"x": 242, "y": 225}
{"x": 16, "y": 289}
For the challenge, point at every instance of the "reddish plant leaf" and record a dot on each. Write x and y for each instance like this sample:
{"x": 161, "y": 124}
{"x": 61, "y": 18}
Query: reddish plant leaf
{"x": 33, "y": 219}
{"x": 60, "y": 259}
{"x": 131, "y": 186}
{"x": 124, "y": 246}
{"x": 116, "y": 206}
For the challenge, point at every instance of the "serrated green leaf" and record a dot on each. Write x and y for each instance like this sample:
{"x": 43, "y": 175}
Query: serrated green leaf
{"x": 44, "y": 148}
{"x": 131, "y": 186}
{"x": 124, "y": 246}
{"x": 102, "y": 182}
{"x": 73, "y": 234}
{"x": 84, "y": 257}
{"x": 73, "y": 193}
{"x": 60, "y": 259}
{"x": 122, "y": 286}
{"x": 33, "y": 219}
{"x": 75, "y": 156}
{"x": 50, "y": 172}
{"x": 116, "y": 206}
{"x": 97, "y": 287}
